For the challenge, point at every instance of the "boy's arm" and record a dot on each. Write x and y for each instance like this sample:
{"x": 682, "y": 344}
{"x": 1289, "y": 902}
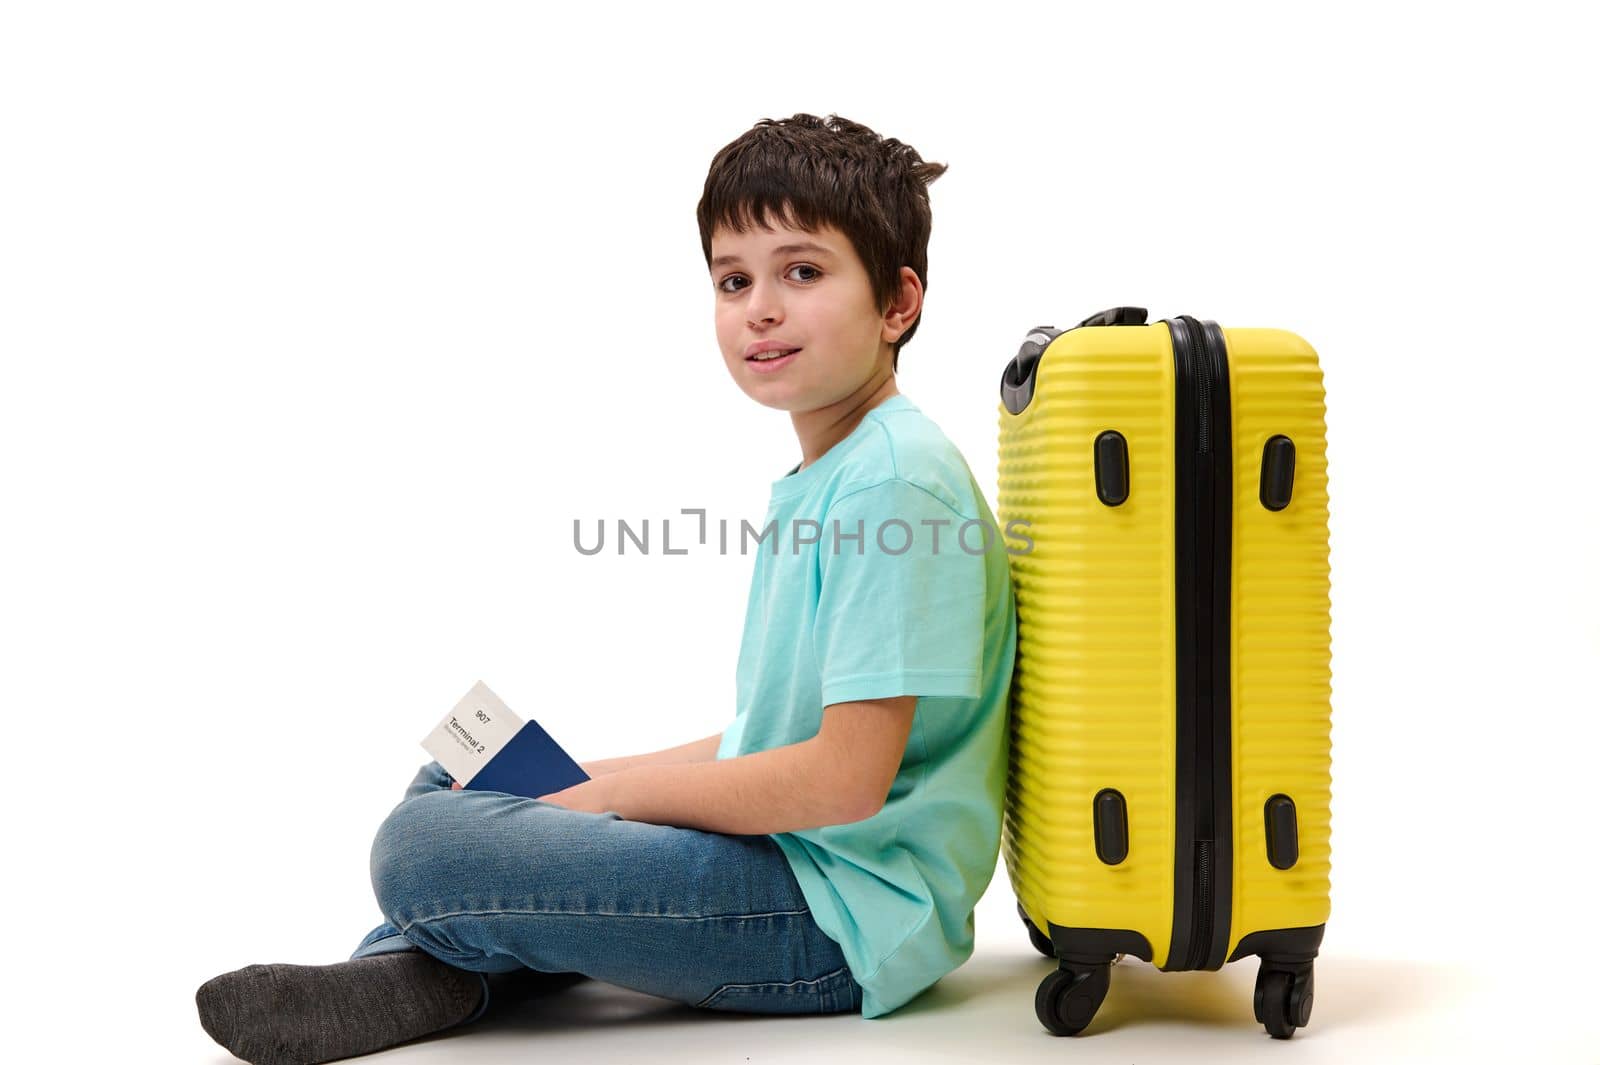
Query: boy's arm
{"x": 698, "y": 751}
{"x": 840, "y": 775}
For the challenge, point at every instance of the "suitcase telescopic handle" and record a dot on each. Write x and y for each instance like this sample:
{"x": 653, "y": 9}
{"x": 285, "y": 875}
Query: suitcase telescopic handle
{"x": 1016, "y": 382}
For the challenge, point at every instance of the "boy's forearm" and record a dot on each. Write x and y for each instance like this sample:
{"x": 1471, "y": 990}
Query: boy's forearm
{"x": 784, "y": 789}
{"x": 704, "y": 750}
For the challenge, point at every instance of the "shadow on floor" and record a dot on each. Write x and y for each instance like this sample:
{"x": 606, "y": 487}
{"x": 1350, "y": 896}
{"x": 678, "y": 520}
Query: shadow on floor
{"x": 993, "y": 996}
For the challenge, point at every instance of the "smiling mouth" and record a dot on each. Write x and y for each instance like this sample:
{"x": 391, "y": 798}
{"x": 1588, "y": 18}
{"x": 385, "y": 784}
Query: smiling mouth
{"x": 771, "y": 356}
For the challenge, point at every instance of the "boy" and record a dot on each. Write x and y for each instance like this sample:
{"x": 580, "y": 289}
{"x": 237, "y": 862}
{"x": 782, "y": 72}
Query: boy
{"x": 824, "y": 853}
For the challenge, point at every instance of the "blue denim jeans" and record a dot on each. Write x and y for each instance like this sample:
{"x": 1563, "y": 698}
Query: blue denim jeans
{"x": 495, "y": 883}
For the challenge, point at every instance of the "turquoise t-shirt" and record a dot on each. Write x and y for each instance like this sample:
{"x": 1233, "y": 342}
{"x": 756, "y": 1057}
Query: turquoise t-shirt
{"x": 913, "y": 605}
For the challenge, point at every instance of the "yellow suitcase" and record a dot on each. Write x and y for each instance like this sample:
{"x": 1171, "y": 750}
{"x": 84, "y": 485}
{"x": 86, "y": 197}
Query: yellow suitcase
{"x": 1163, "y": 490}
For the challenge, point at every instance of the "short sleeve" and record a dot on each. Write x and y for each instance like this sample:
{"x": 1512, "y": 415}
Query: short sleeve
{"x": 900, "y": 610}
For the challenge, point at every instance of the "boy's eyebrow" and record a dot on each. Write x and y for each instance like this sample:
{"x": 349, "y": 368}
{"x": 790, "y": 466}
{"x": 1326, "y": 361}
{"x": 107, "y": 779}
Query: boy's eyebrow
{"x": 724, "y": 260}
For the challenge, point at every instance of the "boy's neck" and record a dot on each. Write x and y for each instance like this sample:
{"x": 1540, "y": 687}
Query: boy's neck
{"x": 824, "y": 427}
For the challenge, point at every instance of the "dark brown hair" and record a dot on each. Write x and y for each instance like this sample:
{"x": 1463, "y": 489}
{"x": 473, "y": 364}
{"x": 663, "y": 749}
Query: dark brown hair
{"x": 809, "y": 172}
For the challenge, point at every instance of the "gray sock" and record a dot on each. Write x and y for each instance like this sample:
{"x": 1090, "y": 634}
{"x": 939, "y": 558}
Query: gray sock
{"x": 305, "y": 1014}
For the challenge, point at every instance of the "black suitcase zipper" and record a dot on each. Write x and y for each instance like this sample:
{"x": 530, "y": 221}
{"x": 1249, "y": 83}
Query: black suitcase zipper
{"x": 1202, "y": 875}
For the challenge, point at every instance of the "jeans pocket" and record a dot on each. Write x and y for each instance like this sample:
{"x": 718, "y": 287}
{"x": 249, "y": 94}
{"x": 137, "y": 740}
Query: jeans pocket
{"x": 829, "y": 993}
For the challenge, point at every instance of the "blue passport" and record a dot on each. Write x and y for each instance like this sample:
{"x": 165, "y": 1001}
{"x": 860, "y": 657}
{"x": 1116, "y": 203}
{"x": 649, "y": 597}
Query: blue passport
{"x": 484, "y": 745}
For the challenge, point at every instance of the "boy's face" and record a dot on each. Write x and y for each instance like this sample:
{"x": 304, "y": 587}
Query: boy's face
{"x": 817, "y": 299}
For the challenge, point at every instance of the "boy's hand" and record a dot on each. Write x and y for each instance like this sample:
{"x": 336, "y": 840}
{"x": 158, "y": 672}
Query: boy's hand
{"x": 592, "y": 796}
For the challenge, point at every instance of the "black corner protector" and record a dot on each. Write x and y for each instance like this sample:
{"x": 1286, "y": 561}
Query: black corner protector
{"x": 1110, "y": 826}
{"x": 1095, "y": 945}
{"x": 1111, "y": 468}
{"x": 1277, "y": 472}
{"x": 1281, "y": 944}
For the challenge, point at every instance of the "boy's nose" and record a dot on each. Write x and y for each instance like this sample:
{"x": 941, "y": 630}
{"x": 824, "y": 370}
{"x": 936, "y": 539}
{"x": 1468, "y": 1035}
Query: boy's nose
{"x": 764, "y": 306}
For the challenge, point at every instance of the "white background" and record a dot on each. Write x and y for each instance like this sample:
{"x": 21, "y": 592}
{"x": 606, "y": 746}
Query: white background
{"x": 321, "y": 323}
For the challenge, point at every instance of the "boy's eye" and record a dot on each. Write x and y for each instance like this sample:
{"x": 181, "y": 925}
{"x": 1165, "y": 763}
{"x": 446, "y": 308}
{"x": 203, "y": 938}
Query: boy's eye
{"x": 739, "y": 277}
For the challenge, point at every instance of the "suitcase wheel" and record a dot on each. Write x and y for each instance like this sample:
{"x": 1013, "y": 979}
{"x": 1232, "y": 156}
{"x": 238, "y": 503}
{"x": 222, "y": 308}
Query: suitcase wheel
{"x": 1283, "y": 996}
{"x": 1069, "y": 997}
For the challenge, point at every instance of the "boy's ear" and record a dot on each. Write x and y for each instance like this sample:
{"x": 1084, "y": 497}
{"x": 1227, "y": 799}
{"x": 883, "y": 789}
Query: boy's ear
{"x": 904, "y": 306}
